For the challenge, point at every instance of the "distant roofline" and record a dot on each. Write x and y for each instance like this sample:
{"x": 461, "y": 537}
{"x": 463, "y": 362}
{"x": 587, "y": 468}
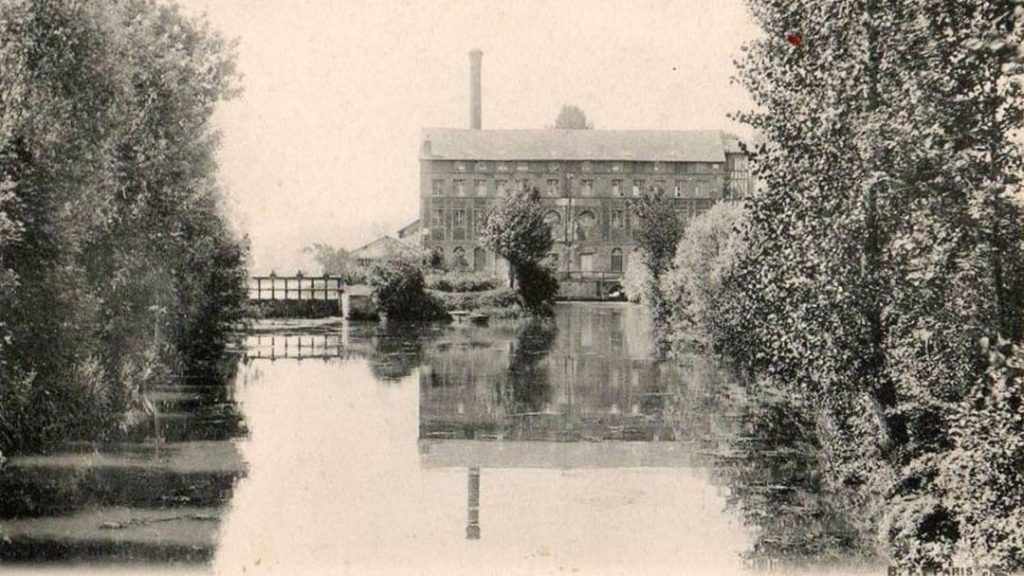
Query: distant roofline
{"x": 555, "y": 144}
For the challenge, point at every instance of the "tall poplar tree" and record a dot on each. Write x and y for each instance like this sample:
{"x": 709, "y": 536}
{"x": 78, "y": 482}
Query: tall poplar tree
{"x": 887, "y": 240}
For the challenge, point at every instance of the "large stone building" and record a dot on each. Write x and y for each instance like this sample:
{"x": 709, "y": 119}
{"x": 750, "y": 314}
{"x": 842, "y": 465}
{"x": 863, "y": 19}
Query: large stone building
{"x": 585, "y": 178}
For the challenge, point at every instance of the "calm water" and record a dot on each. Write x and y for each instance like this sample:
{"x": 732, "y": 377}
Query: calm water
{"x": 543, "y": 447}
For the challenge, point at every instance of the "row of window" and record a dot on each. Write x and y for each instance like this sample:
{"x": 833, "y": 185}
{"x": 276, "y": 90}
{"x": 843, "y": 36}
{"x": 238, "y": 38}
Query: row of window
{"x": 459, "y": 259}
{"x": 620, "y": 167}
{"x": 585, "y": 219}
{"x": 554, "y": 187}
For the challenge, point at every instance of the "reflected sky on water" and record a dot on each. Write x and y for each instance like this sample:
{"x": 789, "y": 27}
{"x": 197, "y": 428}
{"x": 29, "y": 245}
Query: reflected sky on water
{"x": 553, "y": 446}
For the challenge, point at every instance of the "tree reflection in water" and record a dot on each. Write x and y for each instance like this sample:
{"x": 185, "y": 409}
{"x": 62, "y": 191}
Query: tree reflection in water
{"x": 775, "y": 480}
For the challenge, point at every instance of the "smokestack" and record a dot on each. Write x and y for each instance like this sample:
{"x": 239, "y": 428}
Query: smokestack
{"x": 475, "y": 106}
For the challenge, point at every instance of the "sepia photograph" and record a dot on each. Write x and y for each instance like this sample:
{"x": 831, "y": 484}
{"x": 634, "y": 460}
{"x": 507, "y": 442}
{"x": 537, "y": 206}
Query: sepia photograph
{"x": 534, "y": 287}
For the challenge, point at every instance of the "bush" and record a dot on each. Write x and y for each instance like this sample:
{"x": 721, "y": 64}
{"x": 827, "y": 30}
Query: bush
{"x": 461, "y": 282}
{"x": 637, "y": 281}
{"x": 693, "y": 286}
{"x": 475, "y": 301}
{"x": 537, "y": 287}
{"x": 399, "y": 291}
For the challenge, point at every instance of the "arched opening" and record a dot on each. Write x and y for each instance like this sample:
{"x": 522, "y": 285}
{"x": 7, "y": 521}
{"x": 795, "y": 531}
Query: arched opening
{"x": 617, "y": 260}
{"x": 554, "y": 221}
{"x": 585, "y": 223}
{"x": 459, "y": 257}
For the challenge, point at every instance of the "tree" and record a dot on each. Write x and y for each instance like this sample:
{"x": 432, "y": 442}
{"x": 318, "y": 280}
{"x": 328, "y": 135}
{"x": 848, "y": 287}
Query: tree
{"x": 332, "y": 261}
{"x": 572, "y": 117}
{"x": 886, "y": 242}
{"x": 118, "y": 268}
{"x": 659, "y": 231}
{"x": 516, "y": 231}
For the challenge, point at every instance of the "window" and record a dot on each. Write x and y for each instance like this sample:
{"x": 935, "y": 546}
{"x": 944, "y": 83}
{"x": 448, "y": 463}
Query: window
{"x": 460, "y": 166}
{"x": 617, "y": 221}
{"x": 481, "y": 167}
{"x": 460, "y": 187}
{"x": 587, "y": 187}
{"x": 523, "y": 168}
{"x": 585, "y": 223}
{"x": 502, "y": 186}
{"x": 502, "y": 167}
{"x": 678, "y": 190}
{"x": 638, "y": 185}
{"x": 660, "y": 184}
{"x": 554, "y": 221}
{"x": 617, "y": 260}
{"x": 587, "y": 167}
{"x": 438, "y": 187}
{"x": 479, "y": 219}
{"x": 617, "y": 187}
{"x": 438, "y": 217}
{"x": 524, "y": 185}
{"x": 553, "y": 167}
{"x": 459, "y": 257}
{"x": 553, "y": 187}
{"x": 617, "y": 167}
{"x": 481, "y": 187}
{"x": 459, "y": 218}
{"x": 658, "y": 167}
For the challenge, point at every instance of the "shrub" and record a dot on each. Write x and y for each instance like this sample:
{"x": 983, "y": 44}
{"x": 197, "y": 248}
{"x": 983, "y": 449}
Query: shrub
{"x": 637, "y": 280}
{"x": 461, "y": 282}
{"x": 537, "y": 287}
{"x": 693, "y": 286}
{"x": 399, "y": 291}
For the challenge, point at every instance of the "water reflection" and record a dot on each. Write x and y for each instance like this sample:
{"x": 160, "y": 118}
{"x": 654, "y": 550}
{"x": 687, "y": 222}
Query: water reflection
{"x": 483, "y": 448}
{"x": 156, "y": 495}
{"x": 529, "y": 447}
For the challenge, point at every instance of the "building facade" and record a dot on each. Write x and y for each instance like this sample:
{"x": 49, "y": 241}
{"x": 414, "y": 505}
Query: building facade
{"x": 585, "y": 179}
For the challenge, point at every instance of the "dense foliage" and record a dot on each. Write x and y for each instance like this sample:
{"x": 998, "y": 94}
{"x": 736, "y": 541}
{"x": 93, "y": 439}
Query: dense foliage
{"x": 885, "y": 246}
{"x": 455, "y": 281}
{"x": 516, "y": 231}
{"x": 659, "y": 227}
{"x": 117, "y": 270}
{"x": 399, "y": 291}
{"x": 695, "y": 299}
{"x": 572, "y": 117}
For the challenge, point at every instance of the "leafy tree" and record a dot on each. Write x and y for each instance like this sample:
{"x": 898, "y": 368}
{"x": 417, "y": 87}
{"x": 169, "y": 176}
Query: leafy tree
{"x": 693, "y": 286}
{"x": 118, "y": 270}
{"x": 886, "y": 242}
{"x": 572, "y": 117}
{"x": 516, "y": 231}
{"x": 399, "y": 290}
{"x": 333, "y": 261}
{"x": 659, "y": 230}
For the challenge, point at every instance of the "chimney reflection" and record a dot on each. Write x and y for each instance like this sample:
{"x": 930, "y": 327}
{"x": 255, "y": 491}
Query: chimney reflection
{"x": 473, "y": 505}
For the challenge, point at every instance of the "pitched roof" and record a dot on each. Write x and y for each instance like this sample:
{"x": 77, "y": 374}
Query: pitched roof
{"x": 382, "y": 247}
{"x": 554, "y": 144}
{"x": 409, "y": 228}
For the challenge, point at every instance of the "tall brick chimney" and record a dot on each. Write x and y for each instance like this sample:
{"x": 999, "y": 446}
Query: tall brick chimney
{"x": 475, "y": 106}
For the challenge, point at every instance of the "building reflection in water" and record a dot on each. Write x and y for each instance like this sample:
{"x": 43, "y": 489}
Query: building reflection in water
{"x": 578, "y": 391}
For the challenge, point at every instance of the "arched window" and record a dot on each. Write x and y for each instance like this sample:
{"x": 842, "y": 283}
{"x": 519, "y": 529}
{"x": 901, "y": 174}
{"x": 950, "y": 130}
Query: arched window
{"x": 617, "y": 260}
{"x": 554, "y": 221}
{"x": 479, "y": 259}
{"x": 585, "y": 222}
{"x": 459, "y": 257}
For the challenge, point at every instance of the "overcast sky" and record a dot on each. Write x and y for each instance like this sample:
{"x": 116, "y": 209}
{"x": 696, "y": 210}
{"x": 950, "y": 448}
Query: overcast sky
{"x": 323, "y": 144}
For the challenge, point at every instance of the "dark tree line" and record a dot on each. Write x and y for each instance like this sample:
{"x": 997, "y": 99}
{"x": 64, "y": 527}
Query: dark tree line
{"x": 118, "y": 271}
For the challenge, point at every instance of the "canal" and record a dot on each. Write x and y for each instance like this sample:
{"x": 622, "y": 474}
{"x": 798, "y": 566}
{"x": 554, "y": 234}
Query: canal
{"x": 553, "y": 446}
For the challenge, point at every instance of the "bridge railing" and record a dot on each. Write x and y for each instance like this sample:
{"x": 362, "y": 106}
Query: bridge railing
{"x": 588, "y": 275}
{"x": 297, "y": 287}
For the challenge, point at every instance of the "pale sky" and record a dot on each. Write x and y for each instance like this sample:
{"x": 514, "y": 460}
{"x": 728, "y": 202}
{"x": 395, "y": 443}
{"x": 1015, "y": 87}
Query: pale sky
{"x": 323, "y": 144}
